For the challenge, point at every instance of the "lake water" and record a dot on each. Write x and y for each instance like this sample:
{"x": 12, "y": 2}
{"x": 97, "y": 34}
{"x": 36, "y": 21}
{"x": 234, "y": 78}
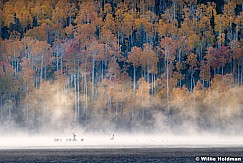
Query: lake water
{"x": 118, "y": 155}
{"x": 124, "y": 148}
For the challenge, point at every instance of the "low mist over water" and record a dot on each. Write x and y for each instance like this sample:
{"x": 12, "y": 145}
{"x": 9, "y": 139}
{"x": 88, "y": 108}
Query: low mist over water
{"x": 119, "y": 140}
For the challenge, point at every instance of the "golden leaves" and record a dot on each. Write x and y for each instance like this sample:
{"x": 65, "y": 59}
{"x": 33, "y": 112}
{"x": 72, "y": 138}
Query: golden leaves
{"x": 134, "y": 55}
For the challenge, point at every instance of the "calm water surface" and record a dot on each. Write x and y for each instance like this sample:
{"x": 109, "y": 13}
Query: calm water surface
{"x": 117, "y": 154}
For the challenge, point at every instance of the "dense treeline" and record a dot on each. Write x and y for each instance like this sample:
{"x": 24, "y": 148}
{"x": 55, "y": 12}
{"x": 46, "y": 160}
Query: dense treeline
{"x": 121, "y": 64}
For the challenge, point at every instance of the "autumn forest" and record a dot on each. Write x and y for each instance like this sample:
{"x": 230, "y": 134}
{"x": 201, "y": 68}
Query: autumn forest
{"x": 128, "y": 65}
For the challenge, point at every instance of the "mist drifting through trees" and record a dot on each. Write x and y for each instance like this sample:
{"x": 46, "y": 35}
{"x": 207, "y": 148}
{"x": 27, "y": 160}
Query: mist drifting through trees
{"x": 168, "y": 66}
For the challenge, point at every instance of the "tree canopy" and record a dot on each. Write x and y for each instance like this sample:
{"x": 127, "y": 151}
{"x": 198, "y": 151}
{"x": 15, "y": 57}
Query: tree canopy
{"x": 120, "y": 61}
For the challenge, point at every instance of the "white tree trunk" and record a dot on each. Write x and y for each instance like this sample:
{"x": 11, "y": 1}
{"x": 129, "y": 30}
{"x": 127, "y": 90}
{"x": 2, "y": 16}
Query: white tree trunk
{"x": 44, "y": 111}
{"x": 27, "y": 105}
{"x": 134, "y": 80}
{"x": 167, "y": 80}
{"x": 41, "y": 70}
{"x": 75, "y": 98}
{"x": 86, "y": 94}
{"x": 78, "y": 91}
{"x": 93, "y": 76}
{"x": 1, "y": 113}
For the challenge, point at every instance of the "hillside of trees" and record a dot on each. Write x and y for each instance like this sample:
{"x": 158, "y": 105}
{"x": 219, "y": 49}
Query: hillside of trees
{"x": 121, "y": 64}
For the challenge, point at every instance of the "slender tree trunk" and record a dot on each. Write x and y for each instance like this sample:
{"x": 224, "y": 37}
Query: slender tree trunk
{"x": 154, "y": 80}
{"x": 142, "y": 103}
{"x": 44, "y": 111}
{"x": 93, "y": 76}
{"x": 86, "y": 95}
{"x": 109, "y": 104}
{"x": 57, "y": 95}
{"x": 191, "y": 83}
{"x": 27, "y": 105}
{"x": 78, "y": 100}
{"x": 41, "y": 70}
{"x": 57, "y": 56}
{"x": 179, "y": 56}
{"x": 102, "y": 70}
{"x": 116, "y": 116}
{"x": 131, "y": 39}
{"x": 36, "y": 78}
{"x": 134, "y": 80}
{"x": 220, "y": 33}
{"x": 14, "y": 63}
{"x": 132, "y": 121}
{"x": 118, "y": 40}
{"x": 231, "y": 29}
{"x": 33, "y": 119}
{"x": 17, "y": 66}
{"x": 0, "y": 27}
{"x": 148, "y": 72}
{"x": 167, "y": 80}
{"x": 37, "y": 16}
{"x": 238, "y": 74}
{"x": 209, "y": 77}
{"x": 201, "y": 52}
{"x": 152, "y": 84}
{"x": 45, "y": 72}
{"x": 9, "y": 110}
{"x": 69, "y": 13}
{"x": 75, "y": 97}
{"x": 67, "y": 69}
{"x": 194, "y": 98}
{"x": 1, "y": 106}
{"x": 222, "y": 69}
{"x": 236, "y": 32}
{"x": 174, "y": 9}
{"x": 241, "y": 79}
{"x": 61, "y": 60}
